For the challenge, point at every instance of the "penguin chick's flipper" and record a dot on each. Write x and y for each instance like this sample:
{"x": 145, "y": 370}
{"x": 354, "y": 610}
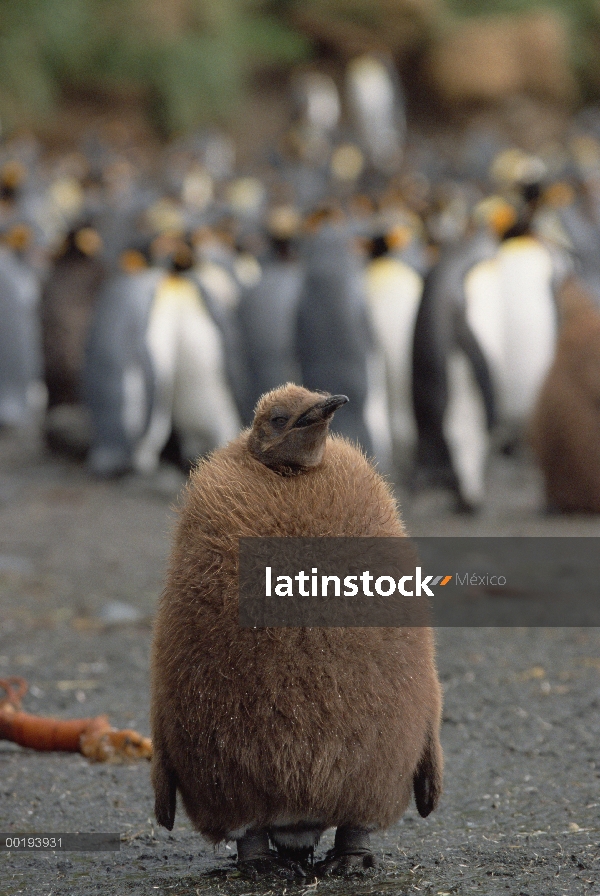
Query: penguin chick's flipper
{"x": 165, "y": 791}
{"x": 256, "y": 858}
{"x": 427, "y": 779}
{"x": 351, "y": 854}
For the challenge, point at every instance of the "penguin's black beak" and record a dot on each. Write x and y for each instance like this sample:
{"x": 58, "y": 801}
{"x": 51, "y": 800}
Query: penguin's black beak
{"x": 321, "y": 411}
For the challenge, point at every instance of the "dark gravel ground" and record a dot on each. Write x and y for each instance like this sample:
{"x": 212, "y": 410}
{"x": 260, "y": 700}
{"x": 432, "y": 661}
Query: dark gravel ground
{"x": 81, "y": 565}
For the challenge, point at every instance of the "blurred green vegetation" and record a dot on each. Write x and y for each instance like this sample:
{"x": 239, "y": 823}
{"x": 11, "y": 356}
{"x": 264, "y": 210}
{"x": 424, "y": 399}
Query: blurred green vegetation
{"x": 192, "y": 60}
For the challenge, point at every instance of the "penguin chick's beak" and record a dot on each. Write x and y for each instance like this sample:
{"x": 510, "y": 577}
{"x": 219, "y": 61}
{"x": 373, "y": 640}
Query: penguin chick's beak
{"x": 321, "y": 411}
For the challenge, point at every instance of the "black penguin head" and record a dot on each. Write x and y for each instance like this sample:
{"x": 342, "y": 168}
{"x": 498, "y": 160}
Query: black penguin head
{"x": 290, "y": 428}
{"x": 81, "y": 242}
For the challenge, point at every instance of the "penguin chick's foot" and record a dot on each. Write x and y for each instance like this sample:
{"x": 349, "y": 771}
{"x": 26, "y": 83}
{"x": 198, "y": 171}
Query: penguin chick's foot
{"x": 255, "y": 858}
{"x": 351, "y": 854}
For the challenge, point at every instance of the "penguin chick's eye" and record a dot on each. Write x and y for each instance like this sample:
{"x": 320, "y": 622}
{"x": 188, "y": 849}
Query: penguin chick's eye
{"x": 279, "y": 421}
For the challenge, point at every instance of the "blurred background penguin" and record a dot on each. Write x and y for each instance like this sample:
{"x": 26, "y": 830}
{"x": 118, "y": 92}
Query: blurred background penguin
{"x": 170, "y": 372}
{"x": 21, "y": 367}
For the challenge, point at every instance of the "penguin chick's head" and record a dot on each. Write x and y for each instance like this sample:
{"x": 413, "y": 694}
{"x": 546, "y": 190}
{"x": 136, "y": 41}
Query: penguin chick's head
{"x": 290, "y": 428}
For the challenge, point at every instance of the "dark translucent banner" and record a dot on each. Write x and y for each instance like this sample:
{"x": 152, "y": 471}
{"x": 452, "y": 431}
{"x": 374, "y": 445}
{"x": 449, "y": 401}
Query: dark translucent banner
{"x": 43, "y": 842}
{"x": 344, "y": 582}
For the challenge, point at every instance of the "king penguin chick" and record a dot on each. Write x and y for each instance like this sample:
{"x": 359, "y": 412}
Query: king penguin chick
{"x": 278, "y": 734}
{"x": 565, "y": 429}
{"x": 67, "y": 303}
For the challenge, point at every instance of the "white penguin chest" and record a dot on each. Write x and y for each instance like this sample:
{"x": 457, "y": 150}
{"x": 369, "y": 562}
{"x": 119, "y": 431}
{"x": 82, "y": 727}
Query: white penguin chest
{"x": 530, "y": 323}
{"x": 189, "y": 371}
{"x": 485, "y": 312}
{"x": 394, "y": 291}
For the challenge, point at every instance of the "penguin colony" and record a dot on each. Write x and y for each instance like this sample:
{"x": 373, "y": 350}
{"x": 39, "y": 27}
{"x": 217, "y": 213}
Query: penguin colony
{"x": 278, "y": 734}
{"x": 418, "y": 279}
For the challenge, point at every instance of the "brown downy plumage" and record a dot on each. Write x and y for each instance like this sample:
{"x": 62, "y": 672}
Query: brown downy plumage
{"x": 565, "y": 429}
{"x": 287, "y": 730}
{"x": 66, "y": 310}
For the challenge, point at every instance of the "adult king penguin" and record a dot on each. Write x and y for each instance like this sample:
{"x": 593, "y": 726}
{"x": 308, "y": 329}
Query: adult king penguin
{"x": 118, "y": 376}
{"x": 267, "y": 311}
{"x": 333, "y": 334}
{"x": 377, "y": 106}
{"x": 394, "y": 291}
{"x": 278, "y": 734}
{"x": 453, "y": 391}
{"x": 21, "y": 390}
{"x": 530, "y": 273}
{"x": 164, "y": 371}
{"x": 191, "y": 393}
{"x": 531, "y": 270}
